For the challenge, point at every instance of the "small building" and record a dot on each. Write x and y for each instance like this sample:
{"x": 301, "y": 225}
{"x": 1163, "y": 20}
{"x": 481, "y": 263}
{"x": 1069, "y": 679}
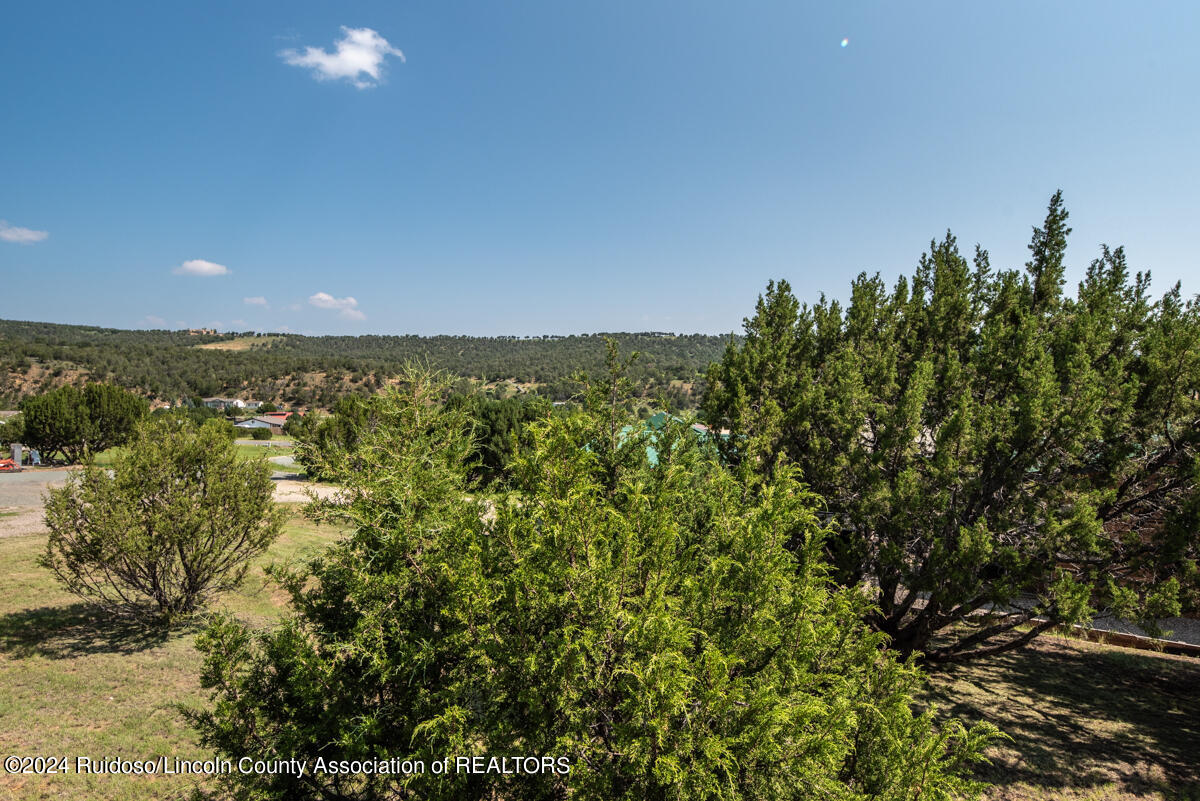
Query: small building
{"x": 272, "y": 421}
{"x": 255, "y": 422}
{"x": 224, "y": 403}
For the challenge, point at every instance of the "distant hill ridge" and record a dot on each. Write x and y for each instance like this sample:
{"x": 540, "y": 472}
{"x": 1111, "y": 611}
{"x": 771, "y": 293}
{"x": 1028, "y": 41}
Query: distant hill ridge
{"x": 307, "y": 371}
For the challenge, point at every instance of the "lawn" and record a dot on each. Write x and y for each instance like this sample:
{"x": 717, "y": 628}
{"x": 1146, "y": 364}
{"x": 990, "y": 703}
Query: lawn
{"x": 264, "y": 451}
{"x": 74, "y": 684}
{"x": 1087, "y": 721}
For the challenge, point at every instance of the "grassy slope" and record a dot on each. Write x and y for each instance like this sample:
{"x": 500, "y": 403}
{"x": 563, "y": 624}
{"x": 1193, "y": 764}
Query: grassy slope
{"x": 71, "y": 684}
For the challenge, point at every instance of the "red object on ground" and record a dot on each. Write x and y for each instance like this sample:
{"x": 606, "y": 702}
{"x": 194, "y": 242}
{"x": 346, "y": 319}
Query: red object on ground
{"x": 8, "y": 466}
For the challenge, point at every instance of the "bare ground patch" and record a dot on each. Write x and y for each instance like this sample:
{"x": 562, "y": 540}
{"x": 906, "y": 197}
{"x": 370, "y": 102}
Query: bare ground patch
{"x": 290, "y": 490}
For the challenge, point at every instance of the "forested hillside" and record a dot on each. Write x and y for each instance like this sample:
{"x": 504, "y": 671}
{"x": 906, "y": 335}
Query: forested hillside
{"x": 315, "y": 371}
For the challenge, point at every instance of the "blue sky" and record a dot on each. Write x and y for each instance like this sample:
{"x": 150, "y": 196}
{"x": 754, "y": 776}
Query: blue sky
{"x": 569, "y": 167}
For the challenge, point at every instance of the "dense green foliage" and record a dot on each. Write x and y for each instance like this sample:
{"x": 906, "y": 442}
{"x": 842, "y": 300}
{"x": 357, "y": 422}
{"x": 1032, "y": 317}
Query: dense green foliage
{"x": 994, "y": 452}
{"x": 294, "y": 370}
{"x": 176, "y": 523}
{"x": 646, "y": 623}
{"x": 12, "y": 429}
{"x": 260, "y": 434}
{"x": 319, "y": 437}
{"x": 75, "y": 422}
{"x": 499, "y": 424}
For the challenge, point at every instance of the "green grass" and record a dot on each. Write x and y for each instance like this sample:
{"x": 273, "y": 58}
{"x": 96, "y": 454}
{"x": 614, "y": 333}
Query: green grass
{"x": 1087, "y": 721}
{"x": 262, "y": 451}
{"x": 74, "y": 683}
{"x": 109, "y": 457}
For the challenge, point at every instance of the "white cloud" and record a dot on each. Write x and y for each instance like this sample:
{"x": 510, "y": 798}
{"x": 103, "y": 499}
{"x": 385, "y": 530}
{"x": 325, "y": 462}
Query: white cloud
{"x": 22, "y": 236}
{"x": 360, "y": 51}
{"x": 156, "y": 321}
{"x": 201, "y": 267}
{"x": 257, "y": 301}
{"x": 346, "y": 307}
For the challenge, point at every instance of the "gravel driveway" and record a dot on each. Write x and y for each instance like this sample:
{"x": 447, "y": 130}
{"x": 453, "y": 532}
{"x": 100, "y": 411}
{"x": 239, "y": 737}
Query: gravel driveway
{"x": 21, "y": 494}
{"x": 21, "y": 499}
{"x": 26, "y": 488}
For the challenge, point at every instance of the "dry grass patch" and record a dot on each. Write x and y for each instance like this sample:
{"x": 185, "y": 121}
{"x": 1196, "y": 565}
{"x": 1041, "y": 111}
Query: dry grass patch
{"x": 240, "y": 343}
{"x": 75, "y": 683}
{"x": 1087, "y": 721}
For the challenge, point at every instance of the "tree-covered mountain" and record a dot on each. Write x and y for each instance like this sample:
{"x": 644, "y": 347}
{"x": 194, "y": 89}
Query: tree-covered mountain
{"x": 314, "y": 371}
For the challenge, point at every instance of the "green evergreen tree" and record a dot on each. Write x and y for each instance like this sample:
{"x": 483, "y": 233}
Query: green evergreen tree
{"x": 646, "y": 623}
{"x": 998, "y": 457}
{"x": 12, "y": 429}
{"x": 498, "y": 427}
{"x": 56, "y": 422}
{"x": 113, "y": 413}
{"x": 74, "y": 422}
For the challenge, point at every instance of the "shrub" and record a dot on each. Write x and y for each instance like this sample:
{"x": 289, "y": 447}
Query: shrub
{"x": 260, "y": 434}
{"x": 177, "y": 522}
{"x": 645, "y": 622}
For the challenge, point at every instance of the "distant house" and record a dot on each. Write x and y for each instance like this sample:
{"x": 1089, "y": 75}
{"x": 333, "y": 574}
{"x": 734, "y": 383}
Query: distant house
{"x": 272, "y": 421}
{"x": 225, "y": 403}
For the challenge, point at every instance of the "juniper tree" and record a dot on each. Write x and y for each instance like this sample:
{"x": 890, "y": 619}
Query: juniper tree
{"x": 998, "y": 457}
{"x": 77, "y": 422}
{"x": 645, "y": 622}
{"x": 176, "y": 523}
